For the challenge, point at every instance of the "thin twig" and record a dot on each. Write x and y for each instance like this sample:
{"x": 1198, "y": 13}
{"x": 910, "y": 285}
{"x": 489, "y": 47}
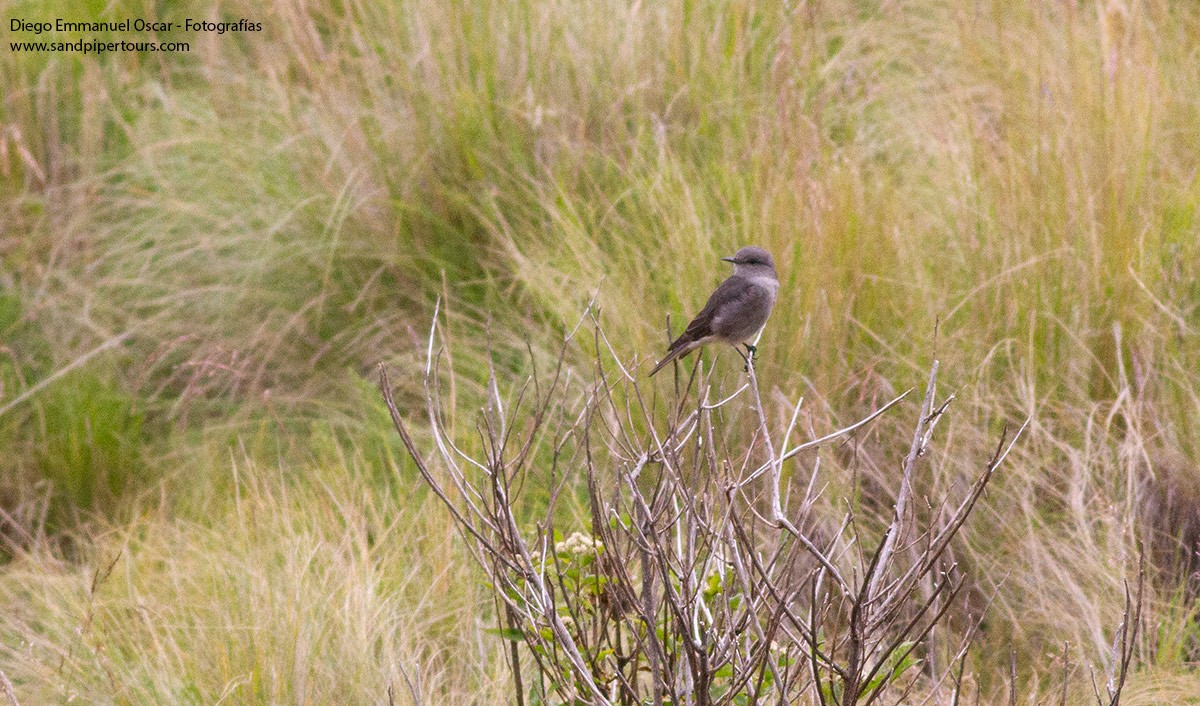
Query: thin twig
{"x": 9, "y": 692}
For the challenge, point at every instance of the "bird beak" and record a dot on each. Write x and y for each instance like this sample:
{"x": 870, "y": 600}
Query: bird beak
{"x": 729, "y": 259}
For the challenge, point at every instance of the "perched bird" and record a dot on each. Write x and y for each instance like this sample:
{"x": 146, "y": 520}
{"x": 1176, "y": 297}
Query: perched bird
{"x": 736, "y": 311}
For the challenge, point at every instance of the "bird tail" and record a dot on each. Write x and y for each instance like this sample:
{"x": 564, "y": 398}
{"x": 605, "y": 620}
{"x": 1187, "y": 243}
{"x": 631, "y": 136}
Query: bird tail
{"x": 677, "y": 349}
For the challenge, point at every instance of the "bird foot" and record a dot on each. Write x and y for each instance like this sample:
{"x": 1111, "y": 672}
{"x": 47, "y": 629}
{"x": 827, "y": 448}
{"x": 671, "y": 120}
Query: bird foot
{"x": 749, "y": 357}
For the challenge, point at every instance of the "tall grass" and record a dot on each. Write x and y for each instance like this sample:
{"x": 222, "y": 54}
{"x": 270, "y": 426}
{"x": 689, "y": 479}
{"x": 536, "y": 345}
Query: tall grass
{"x": 260, "y": 220}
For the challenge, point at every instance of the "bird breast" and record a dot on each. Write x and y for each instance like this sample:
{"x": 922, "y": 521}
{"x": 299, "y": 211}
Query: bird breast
{"x": 766, "y": 282}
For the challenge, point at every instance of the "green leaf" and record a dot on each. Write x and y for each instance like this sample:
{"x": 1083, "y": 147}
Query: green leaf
{"x": 893, "y": 666}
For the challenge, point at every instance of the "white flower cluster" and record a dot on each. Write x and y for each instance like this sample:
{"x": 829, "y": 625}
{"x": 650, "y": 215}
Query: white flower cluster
{"x": 579, "y": 543}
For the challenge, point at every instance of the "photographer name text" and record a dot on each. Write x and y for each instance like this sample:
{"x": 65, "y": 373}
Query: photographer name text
{"x": 134, "y": 25}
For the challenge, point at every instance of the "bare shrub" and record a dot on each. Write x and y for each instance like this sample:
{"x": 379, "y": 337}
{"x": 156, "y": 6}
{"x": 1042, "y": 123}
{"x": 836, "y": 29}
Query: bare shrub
{"x": 705, "y": 574}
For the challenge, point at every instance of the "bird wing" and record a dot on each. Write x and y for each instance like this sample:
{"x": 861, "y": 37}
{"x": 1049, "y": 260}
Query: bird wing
{"x": 744, "y": 313}
{"x": 728, "y": 293}
{"x": 729, "y": 296}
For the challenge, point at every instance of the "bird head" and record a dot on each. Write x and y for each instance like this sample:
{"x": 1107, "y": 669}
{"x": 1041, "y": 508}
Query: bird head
{"x": 751, "y": 260}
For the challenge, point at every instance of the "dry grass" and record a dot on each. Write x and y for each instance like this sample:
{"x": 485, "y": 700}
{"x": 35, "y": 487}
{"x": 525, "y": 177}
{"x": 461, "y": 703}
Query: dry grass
{"x": 321, "y": 592}
{"x": 261, "y": 220}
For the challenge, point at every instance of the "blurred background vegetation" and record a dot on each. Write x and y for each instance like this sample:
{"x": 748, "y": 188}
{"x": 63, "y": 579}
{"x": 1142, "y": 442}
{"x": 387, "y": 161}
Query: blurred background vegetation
{"x": 204, "y": 254}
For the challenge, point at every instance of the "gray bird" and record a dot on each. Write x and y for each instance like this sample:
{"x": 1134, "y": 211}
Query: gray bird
{"x": 736, "y": 311}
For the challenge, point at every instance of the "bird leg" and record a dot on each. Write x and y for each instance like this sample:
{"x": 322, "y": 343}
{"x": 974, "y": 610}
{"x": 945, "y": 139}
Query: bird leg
{"x": 750, "y": 351}
{"x": 748, "y": 357}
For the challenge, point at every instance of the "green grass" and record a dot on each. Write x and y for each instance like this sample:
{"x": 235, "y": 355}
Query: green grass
{"x": 266, "y": 217}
